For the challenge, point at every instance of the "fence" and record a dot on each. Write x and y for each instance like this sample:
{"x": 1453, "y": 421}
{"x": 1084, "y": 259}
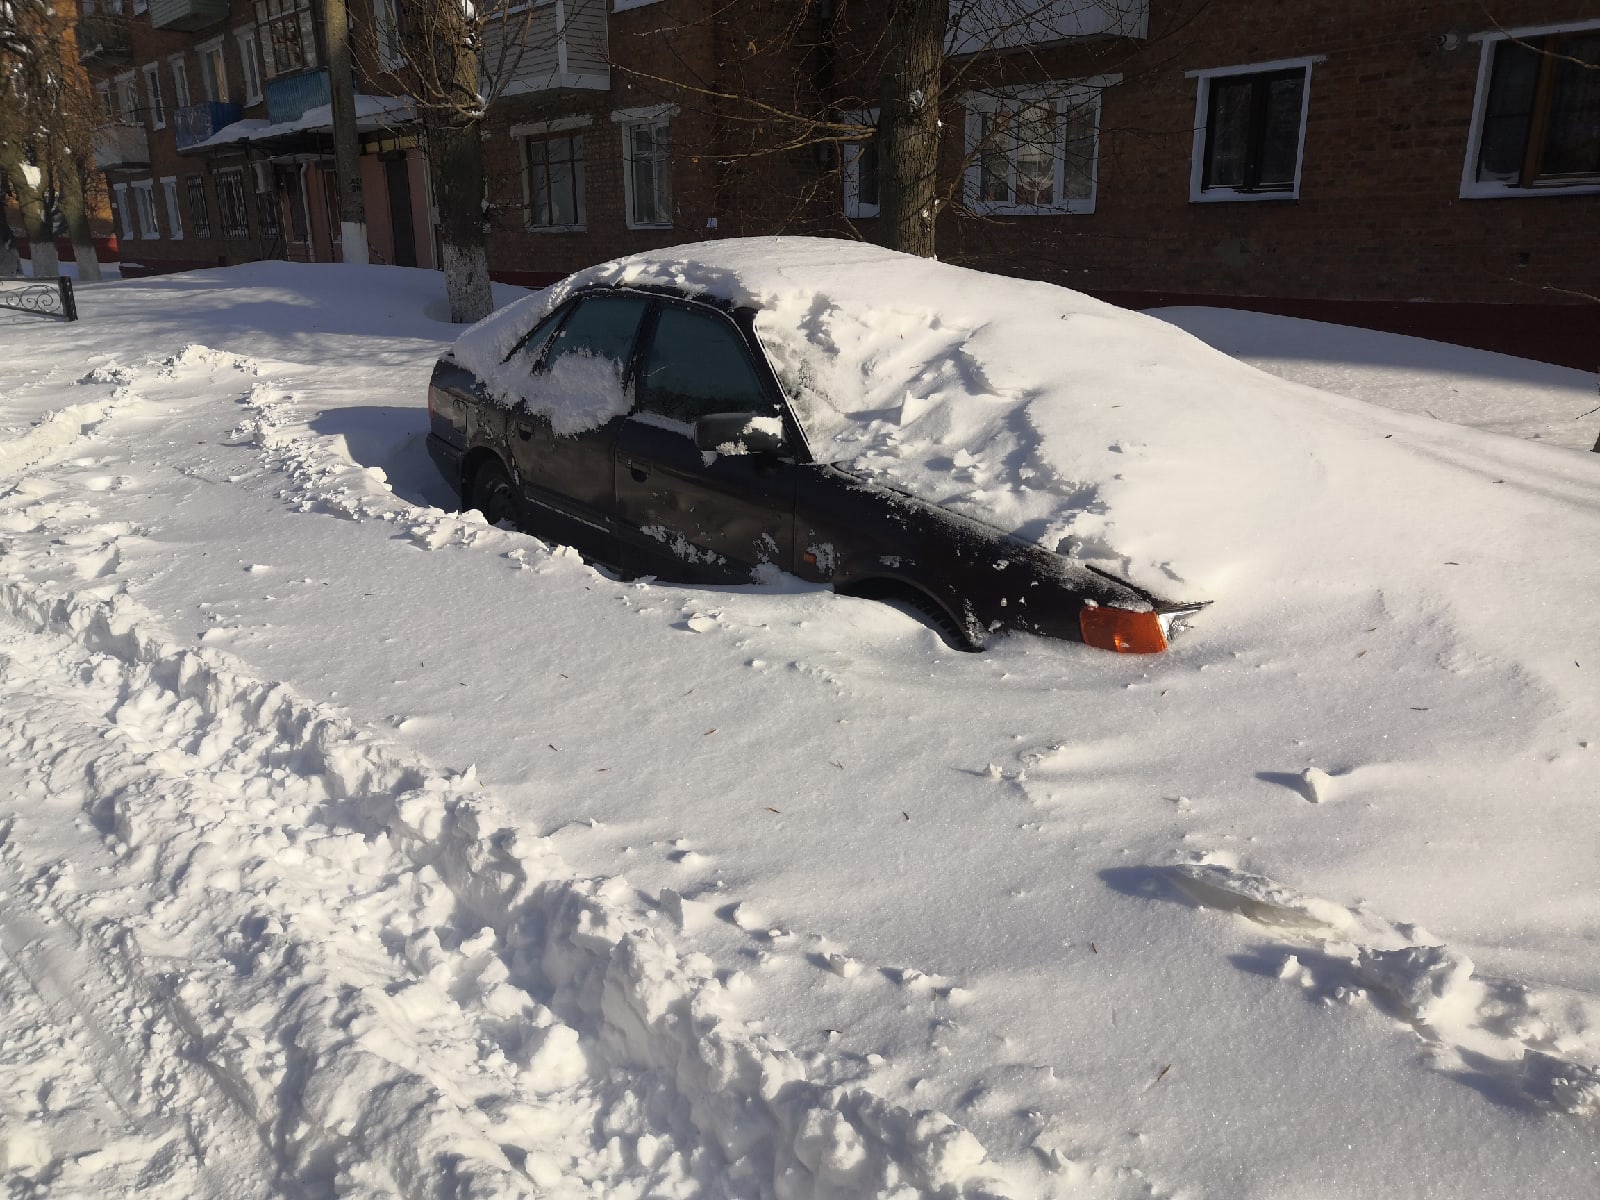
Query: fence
{"x": 41, "y": 297}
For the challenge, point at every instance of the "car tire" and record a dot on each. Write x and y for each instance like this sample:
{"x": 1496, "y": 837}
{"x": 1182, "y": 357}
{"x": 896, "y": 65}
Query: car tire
{"x": 916, "y": 603}
{"x": 492, "y": 494}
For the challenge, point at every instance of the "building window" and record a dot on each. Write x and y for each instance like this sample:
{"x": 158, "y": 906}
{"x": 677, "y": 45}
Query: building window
{"x": 861, "y": 170}
{"x": 180, "y": 81}
{"x": 249, "y": 61}
{"x": 555, "y": 181}
{"x": 152, "y": 86}
{"x": 213, "y": 71}
{"x": 144, "y": 207}
{"x": 169, "y": 192}
{"x": 290, "y": 44}
{"x": 1033, "y": 150}
{"x": 1536, "y": 123}
{"x": 103, "y": 91}
{"x": 267, "y": 205}
{"x": 389, "y": 27}
{"x": 647, "y": 166}
{"x": 230, "y": 204}
{"x": 199, "y": 211}
{"x": 1250, "y": 125}
{"x": 127, "y": 99}
{"x": 124, "y": 210}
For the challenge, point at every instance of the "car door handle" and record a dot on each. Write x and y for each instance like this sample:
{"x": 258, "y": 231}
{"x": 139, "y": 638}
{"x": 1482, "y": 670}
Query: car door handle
{"x": 639, "y": 474}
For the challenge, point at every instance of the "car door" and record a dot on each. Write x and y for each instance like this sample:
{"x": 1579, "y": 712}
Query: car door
{"x": 562, "y": 435}
{"x": 693, "y": 514}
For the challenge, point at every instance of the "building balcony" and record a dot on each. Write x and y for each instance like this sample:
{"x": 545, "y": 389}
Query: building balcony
{"x": 290, "y": 97}
{"x": 121, "y": 146}
{"x": 103, "y": 38}
{"x": 196, "y": 123}
{"x": 547, "y": 48}
{"x": 188, "y": 14}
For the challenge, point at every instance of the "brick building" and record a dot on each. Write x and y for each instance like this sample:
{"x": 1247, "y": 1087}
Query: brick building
{"x": 219, "y": 148}
{"x": 1430, "y": 167}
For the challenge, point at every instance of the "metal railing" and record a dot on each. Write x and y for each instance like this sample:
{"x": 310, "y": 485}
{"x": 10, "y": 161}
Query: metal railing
{"x": 40, "y": 297}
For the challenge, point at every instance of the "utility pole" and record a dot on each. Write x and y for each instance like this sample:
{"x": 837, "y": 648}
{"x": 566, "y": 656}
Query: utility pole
{"x": 346, "y": 140}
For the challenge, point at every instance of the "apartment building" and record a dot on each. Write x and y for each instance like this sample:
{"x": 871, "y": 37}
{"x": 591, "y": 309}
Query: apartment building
{"x": 219, "y": 148}
{"x": 1430, "y": 167}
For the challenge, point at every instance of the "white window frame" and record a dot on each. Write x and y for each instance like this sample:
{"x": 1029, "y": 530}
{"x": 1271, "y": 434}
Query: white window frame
{"x": 386, "y": 29}
{"x": 124, "y": 211}
{"x": 152, "y": 87}
{"x": 1473, "y": 188}
{"x": 629, "y": 119}
{"x": 181, "y": 97}
{"x": 1198, "y": 193}
{"x": 126, "y": 92}
{"x": 1061, "y": 95}
{"x": 850, "y": 167}
{"x": 102, "y": 89}
{"x": 215, "y": 83}
{"x": 169, "y": 190}
{"x": 144, "y": 194}
{"x": 251, "y": 62}
{"x": 538, "y": 131}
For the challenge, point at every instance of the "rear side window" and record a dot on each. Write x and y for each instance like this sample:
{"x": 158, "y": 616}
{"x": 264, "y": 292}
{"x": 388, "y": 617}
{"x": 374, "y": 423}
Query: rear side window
{"x": 696, "y": 365}
{"x": 600, "y": 327}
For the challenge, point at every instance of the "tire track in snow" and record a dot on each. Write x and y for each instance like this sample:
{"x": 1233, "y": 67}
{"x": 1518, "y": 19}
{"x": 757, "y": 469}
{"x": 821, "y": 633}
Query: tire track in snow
{"x": 398, "y": 992}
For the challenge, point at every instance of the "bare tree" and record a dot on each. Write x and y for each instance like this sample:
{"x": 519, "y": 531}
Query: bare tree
{"x": 455, "y": 58}
{"x": 48, "y": 119}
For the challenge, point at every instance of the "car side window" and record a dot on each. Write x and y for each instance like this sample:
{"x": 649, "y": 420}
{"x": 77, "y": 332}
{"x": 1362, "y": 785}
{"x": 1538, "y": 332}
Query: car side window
{"x": 532, "y": 345}
{"x": 696, "y": 365}
{"x": 599, "y": 327}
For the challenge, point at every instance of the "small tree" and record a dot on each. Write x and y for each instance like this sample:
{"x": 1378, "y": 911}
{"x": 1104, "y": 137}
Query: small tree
{"x": 48, "y": 120}
{"x": 458, "y": 57}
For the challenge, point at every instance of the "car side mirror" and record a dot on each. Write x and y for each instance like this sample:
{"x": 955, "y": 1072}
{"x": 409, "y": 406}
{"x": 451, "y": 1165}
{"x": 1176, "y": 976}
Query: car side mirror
{"x": 738, "y": 433}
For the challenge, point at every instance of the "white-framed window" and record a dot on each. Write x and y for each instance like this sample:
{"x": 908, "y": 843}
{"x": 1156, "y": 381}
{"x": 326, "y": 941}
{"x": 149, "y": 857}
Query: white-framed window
{"x": 1536, "y": 116}
{"x": 647, "y": 165}
{"x": 249, "y": 62}
{"x": 152, "y": 87}
{"x": 144, "y": 207}
{"x": 554, "y": 180}
{"x": 180, "y": 81}
{"x": 1250, "y": 130}
{"x": 124, "y": 210}
{"x": 860, "y": 169}
{"x": 1033, "y": 150}
{"x": 213, "y": 70}
{"x": 127, "y": 94}
{"x": 169, "y": 192}
{"x": 388, "y": 27}
{"x": 288, "y": 40}
{"x": 102, "y": 89}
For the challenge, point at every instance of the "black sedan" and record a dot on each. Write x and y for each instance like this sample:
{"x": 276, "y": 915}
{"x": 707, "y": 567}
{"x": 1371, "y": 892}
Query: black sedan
{"x": 698, "y": 471}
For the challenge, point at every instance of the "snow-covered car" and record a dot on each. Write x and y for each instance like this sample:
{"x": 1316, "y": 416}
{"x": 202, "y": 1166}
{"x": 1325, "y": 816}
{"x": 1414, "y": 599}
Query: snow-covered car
{"x": 706, "y": 412}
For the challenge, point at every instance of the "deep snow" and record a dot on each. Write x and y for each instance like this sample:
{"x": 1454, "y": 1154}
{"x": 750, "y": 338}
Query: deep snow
{"x": 352, "y": 846}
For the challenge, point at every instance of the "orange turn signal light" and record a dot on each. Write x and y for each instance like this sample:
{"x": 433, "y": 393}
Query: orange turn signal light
{"x": 1122, "y": 630}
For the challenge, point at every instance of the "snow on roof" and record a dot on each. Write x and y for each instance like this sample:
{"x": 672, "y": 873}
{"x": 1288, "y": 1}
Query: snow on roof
{"x": 372, "y": 112}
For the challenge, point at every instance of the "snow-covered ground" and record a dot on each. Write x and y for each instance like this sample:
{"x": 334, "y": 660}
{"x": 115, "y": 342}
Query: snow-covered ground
{"x": 349, "y": 846}
{"x": 1490, "y": 391}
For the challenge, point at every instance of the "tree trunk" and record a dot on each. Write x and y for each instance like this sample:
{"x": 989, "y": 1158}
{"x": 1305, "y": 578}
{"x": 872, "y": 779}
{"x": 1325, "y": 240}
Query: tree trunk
{"x": 36, "y": 223}
{"x": 455, "y": 159}
{"x": 908, "y": 125}
{"x": 72, "y": 207}
{"x": 346, "y": 140}
{"x": 10, "y": 261}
